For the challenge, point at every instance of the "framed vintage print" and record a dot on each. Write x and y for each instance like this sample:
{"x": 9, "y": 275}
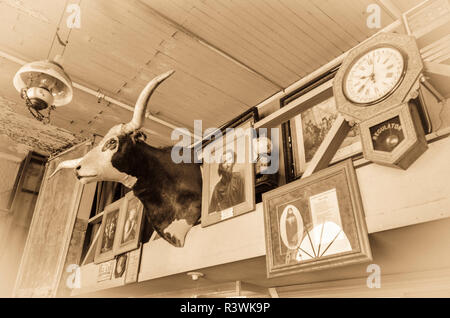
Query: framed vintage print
{"x": 315, "y": 223}
{"x": 108, "y": 233}
{"x": 130, "y": 224}
{"x": 303, "y": 133}
{"x": 228, "y": 177}
{"x": 309, "y": 130}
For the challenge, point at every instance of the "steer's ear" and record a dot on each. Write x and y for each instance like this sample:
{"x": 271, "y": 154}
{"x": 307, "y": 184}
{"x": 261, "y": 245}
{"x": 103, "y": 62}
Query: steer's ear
{"x": 138, "y": 135}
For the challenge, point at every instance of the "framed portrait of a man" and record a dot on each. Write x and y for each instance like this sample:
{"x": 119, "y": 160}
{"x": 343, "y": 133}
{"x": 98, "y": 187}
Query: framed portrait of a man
{"x": 107, "y": 240}
{"x": 130, "y": 224}
{"x": 228, "y": 176}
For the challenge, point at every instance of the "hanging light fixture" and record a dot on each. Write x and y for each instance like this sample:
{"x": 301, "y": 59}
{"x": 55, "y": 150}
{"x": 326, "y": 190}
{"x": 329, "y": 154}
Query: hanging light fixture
{"x": 45, "y": 84}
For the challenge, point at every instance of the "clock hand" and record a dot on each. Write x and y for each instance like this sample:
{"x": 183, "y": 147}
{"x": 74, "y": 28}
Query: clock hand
{"x": 363, "y": 85}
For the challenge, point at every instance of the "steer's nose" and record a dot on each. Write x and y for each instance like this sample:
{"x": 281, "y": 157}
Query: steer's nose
{"x": 78, "y": 167}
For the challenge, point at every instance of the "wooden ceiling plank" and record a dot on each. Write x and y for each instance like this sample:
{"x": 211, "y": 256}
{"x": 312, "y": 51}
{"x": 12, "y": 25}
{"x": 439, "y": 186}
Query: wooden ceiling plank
{"x": 208, "y": 98}
{"x": 184, "y": 77}
{"x": 119, "y": 35}
{"x": 248, "y": 17}
{"x": 305, "y": 41}
{"x": 174, "y": 10}
{"x": 199, "y": 28}
{"x": 238, "y": 47}
{"x": 216, "y": 70}
{"x": 303, "y": 11}
{"x": 239, "y": 18}
{"x": 177, "y": 100}
{"x": 274, "y": 19}
{"x": 269, "y": 30}
{"x": 132, "y": 16}
{"x": 340, "y": 37}
{"x": 345, "y": 18}
{"x": 311, "y": 29}
{"x": 235, "y": 32}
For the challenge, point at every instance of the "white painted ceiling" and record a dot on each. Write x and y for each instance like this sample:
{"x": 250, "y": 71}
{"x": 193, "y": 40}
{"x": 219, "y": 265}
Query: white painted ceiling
{"x": 229, "y": 55}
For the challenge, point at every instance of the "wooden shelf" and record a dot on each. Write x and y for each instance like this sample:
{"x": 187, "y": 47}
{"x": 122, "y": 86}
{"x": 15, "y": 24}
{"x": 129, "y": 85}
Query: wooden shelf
{"x": 391, "y": 199}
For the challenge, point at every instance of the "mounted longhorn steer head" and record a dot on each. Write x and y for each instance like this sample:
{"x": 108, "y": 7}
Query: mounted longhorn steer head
{"x": 170, "y": 192}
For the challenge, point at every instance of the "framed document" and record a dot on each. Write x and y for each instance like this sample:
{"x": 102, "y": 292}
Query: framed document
{"x": 133, "y": 265}
{"x": 105, "y": 271}
{"x": 315, "y": 223}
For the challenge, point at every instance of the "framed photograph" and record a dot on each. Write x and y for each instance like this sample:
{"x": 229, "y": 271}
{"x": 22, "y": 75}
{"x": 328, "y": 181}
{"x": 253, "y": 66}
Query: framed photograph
{"x": 108, "y": 233}
{"x": 309, "y": 130}
{"x": 133, "y": 265}
{"x": 130, "y": 224}
{"x": 121, "y": 264}
{"x": 315, "y": 223}
{"x": 228, "y": 177}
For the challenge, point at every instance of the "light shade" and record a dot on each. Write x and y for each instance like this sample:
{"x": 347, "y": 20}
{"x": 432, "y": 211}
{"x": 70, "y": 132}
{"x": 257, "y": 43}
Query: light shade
{"x": 48, "y": 75}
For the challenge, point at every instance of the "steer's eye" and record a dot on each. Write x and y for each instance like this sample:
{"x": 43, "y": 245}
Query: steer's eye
{"x": 111, "y": 144}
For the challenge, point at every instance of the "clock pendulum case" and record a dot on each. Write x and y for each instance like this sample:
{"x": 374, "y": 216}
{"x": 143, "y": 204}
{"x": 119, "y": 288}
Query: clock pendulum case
{"x": 394, "y": 138}
{"x": 375, "y": 87}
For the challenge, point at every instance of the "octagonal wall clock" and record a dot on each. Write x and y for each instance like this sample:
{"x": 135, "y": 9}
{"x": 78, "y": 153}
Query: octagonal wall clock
{"x": 377, "y": 75}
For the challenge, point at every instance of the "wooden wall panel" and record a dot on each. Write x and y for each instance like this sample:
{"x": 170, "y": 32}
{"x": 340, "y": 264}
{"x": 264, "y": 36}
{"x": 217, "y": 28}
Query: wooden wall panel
{"x": 50, "y": 231}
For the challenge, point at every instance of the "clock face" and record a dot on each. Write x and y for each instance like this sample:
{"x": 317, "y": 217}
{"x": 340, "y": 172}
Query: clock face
{"x": 374, "y": 75}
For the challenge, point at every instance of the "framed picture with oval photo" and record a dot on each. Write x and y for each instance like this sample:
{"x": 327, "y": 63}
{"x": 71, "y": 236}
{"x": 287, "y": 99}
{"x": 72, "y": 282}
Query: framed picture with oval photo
{"x": 130, "y": 224}
{"x": 315, "y": 223}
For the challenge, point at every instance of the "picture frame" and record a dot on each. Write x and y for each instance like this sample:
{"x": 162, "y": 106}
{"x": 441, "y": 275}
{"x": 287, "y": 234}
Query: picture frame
{"x": 133, "y": 265}
{"x": 240, "y": 189}
{"x": 130, "y": 224}
{"x": 310, "y": 129}
{"x": 107, "y": 240}
{"x": 300, "y": 139}
{"x": 121, "y": 265}
{"x": 105, "y": 271}
{"x": 316, "y": 223}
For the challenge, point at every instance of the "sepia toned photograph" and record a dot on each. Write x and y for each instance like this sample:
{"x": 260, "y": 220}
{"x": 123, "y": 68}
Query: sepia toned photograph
{"x": 120, "y": 267}
{"x": 251, "y": 149}
{"x": 228, "y": 183}
{"x": 129, "y": 224}
{"x": 108, "y": 233}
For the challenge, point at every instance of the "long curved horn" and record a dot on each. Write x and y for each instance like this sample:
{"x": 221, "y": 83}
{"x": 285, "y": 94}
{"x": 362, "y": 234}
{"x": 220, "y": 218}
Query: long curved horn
{"x": 141, "y": 104}
{"x": 66, "y": 164}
